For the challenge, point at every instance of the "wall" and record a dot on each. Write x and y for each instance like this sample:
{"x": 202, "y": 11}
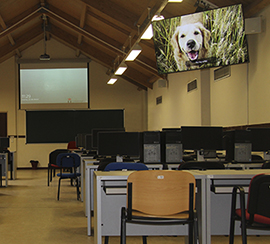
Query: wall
{"x": 240, "y": 99}
{"x": 122, "y": 95}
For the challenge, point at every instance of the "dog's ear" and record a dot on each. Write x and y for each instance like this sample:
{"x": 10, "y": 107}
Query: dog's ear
{"x": 175, "y": 42}
{"x": 206, "y": 36}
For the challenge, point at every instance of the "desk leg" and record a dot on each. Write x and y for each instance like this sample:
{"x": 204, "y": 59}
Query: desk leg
{"x": 207, "y": 183}
{"x": 97, "y": 211}
{"x": 87, "y": 200}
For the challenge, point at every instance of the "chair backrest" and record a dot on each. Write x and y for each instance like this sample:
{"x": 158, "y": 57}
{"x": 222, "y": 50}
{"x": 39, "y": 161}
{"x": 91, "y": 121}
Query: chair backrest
{"x": 125, "y": 166}
{"x": 161, "y": 192}
{"x": 259, "y": 195}
{"x": 68, "y": 160}
{"x": 202, "y": 165}
{"x": 72, "y": 145}
{"x": 53, "y": 155}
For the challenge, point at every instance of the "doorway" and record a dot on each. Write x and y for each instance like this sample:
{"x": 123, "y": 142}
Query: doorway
{"x": 3, "y": 124}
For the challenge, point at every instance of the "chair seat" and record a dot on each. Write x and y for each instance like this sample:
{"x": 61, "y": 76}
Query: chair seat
{"x": 54, "y": 165}
{"x": 68, "y": 175}
{"x": 178, "y": 216}
{"x": 257, "y": 218}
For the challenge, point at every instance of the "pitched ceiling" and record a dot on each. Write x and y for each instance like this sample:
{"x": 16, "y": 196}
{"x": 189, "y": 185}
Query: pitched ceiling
{"x": 105, "y": 31}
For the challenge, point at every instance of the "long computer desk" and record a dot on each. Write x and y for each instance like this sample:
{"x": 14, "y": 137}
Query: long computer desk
{"x": 109, "y": 197}
{"x": 209, "y": 184}
{"x": 89, "y": 167}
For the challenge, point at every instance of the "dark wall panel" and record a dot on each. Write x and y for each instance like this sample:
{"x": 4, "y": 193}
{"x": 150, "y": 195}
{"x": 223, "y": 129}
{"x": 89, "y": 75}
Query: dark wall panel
{"x": 61, "y": 126}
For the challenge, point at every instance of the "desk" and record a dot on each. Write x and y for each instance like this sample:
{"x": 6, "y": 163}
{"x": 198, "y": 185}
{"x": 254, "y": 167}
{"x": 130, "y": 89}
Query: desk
{"x": 4, "y": 167}
{"x": 89, "y": 168}
{"x": 218, "y": 206}
{"x": 107, "y": 209}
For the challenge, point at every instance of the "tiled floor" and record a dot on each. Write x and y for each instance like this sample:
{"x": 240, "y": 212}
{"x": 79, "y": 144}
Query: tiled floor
{"x": 30, "y": 213}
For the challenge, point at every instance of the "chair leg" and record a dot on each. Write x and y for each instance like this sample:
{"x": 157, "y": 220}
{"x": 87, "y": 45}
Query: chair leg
{"x": 196, "y": 230}
{"x": 144, "y": 239}
{"x": 232, "y": 220}
{"x": 78, "y": 189}
{"x": 190, "y": 233}
{"x": 58, "y": 194}
{"x": 243, "y": 218}
{"x": 106, "y": 241}
{"x": 123, "y": 226}
{"x": 48, "y": 175}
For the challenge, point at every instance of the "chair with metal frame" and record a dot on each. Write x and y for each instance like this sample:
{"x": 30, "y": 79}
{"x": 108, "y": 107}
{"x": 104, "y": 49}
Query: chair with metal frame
{"x": 173, "y": 193}
{"x": 52, "y": 162}
{"x": 257, "y": 213}
{"x": 69, "y": 161}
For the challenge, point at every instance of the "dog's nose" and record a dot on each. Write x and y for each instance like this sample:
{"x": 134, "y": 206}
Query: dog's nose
{"x": 191, "y": 44}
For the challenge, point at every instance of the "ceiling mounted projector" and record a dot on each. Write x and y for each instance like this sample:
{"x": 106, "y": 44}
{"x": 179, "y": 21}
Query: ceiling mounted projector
{"x": 44, "y": 57}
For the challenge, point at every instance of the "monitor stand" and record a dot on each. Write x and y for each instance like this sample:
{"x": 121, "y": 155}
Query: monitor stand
{"x": 119, "y": 159}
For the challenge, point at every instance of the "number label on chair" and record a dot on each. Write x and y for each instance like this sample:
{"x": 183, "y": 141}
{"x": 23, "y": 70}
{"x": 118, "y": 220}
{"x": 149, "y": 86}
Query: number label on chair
{"x": 160, "y": 177}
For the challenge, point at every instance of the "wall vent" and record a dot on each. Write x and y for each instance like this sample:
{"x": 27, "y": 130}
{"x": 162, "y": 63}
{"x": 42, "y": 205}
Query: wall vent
{"x": 222, "y": 73}
{"x": 192, "y": 85}
{"x": 159, "y": 100}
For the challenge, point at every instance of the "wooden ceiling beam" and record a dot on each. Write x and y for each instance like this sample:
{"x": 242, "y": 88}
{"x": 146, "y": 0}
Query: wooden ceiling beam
{"x": 90, "y": 51}
{"x": 82, "y": 23}
{"x": 114, "y": 11}
{"x": 20, "y": 22}
{"x": 255, "y": 7}
{"x": 31, "y": 36}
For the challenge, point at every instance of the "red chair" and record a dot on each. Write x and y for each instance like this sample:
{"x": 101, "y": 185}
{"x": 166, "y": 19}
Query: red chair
{"x": 257, "y": 213}
{"x": 72, "y": 145}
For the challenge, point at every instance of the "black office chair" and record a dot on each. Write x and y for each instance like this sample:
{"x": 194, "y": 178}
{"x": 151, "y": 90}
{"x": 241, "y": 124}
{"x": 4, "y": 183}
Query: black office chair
{"x": 52, "y": 162}
{"x": 202, "y": 165}
{"x": 70, "y": 161}
{"x": 160, "y": 197}
{"x": 257, "y": 213}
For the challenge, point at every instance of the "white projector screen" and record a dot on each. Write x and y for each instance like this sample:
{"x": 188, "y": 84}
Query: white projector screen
{"x": 54, "y": 88}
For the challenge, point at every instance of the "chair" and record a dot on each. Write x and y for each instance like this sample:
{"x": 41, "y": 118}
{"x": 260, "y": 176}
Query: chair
{"x": 113, "y": 166}
{"x": 157, "y": 197}
{"x": 125, "y": 166}
{"x": 257, "y": 213}
{"x": 70, "y": 161}
{"x": 72, "y": 145}
{"x": 52, "y": 162}
{"x": 202, "y": 165}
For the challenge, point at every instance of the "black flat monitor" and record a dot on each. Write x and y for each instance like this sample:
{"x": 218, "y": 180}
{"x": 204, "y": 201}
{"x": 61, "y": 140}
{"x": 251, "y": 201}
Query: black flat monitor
{"x": 80, "y": 140}
{"x": 202, "y": 137}
{"x": 95, "y": 132}
{"x": 123, "y": 144}
{"x": 4, "y": 143}
{"x": 88, "y": 142}
{"x": 260, "y": 139}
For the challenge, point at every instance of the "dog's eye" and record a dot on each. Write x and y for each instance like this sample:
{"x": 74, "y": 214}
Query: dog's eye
{"x": 196, "y": 33}
{"x": 182, "y": 36}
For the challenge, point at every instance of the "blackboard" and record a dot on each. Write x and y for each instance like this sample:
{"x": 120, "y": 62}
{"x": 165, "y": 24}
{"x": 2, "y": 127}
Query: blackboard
{"x": 61, "y": 126}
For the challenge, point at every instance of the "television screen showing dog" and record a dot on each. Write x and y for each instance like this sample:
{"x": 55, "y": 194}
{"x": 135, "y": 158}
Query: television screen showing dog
{"x": 202, "y": 40}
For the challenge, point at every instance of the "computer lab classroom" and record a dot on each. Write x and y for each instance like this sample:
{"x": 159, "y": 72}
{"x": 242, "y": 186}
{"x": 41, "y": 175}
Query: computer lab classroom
{"x": 169, "y": 123}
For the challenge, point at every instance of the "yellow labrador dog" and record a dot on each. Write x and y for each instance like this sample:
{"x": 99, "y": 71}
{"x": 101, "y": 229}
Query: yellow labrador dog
{"x": 190, "y": 43}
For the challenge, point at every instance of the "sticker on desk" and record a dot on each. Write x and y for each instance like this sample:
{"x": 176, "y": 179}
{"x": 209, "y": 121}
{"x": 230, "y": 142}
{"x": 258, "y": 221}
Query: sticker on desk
{"x": 160, "y": 177}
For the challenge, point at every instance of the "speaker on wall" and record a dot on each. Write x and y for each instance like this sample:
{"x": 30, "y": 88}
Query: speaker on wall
{"x": 253, "y": 25}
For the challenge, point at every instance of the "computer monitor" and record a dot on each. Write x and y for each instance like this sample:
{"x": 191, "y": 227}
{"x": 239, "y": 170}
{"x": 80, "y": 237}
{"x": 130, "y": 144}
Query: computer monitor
{"x": 80, "y": 140}
{"x": 123, "y": 144}
{"x": 260, "y": 139}
{"x": 88, "y": 142}
{"x": 202, "y": 137}
{"x": 95, "y": 132}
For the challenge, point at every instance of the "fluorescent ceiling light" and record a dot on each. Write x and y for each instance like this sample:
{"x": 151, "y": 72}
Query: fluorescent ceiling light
{"x": 112, "y": 80}
{"x": 134, "y": 53}
{"x": 121, "y": 69}
{"x": 175, "y": 1}
{"x": 148, "y": 34}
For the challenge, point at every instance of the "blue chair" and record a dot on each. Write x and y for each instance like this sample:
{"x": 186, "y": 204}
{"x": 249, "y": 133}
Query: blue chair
{"x": 125, "y": 166}
{"x": 69, "y": 162}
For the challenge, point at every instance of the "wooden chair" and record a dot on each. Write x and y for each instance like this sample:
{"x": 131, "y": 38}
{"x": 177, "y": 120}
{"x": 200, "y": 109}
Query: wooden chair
{"x": 257, "y": 213}
{"x": 157, "y": 197}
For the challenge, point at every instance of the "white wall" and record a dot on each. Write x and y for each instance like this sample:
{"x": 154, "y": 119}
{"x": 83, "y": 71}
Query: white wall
{"x": 122, "y": 95}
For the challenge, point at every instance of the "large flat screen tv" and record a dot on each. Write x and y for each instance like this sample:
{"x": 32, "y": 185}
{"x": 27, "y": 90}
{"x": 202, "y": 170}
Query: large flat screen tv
{"x": 202, "y": 40}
